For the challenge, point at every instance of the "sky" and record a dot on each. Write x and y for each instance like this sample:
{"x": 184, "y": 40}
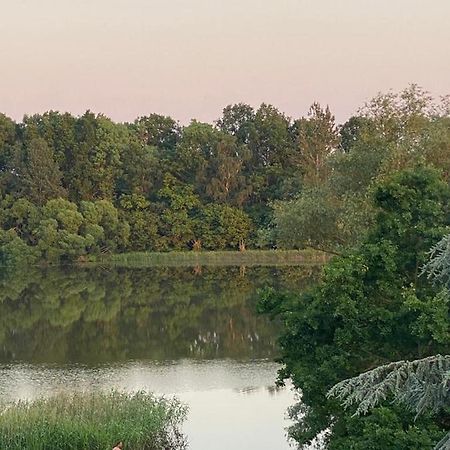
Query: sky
{"x": 190, "y": 58}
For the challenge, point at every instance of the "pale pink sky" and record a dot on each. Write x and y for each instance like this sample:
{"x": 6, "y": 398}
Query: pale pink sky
{"x": 190, "y": 58}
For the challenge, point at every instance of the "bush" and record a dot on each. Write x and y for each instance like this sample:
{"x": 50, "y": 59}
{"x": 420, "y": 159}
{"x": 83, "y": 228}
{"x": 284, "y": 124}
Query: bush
{"x": 14, "y": 251}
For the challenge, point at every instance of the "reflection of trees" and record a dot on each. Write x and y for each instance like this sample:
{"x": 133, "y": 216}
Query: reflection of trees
{"x": 94, "y": 315}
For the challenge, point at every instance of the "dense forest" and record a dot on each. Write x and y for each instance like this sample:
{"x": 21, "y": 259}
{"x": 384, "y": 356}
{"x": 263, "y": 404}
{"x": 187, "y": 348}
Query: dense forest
{"x": 74, "y": 187}
{"x": 382, "y": 206}
{"x": 377, "y": 303}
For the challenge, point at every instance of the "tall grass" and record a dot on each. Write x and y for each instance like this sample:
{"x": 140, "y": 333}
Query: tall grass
{"x": 215, "y": 258}
{"x": 93, "y": 422}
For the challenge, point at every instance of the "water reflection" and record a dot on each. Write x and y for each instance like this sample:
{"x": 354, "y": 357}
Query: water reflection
{"x": 23, "y": 381}
{"x": 174, "y": 331}
{"x": 96, "y": 316}
{"x": 231, "y": 404}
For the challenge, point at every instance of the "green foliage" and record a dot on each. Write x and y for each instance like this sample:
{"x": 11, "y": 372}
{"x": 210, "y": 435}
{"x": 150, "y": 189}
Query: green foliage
{"x": 413, "y": 210}
{"x": 309, "y": 221}
{"x": 420, "y": 385}
{"x": 93, "y": 421}
{"x": 158, "y": 131}
{"x": 299, "y": 182}
{"x": 239, "y": 121}
{"x": 38, "y": 173}
{"x": 139, "y": 171}
{"x": 317, "y": 140}
{"x": 387, "y": 428}
{"x": 60, "y": 230}
{"x": 371, "y": 306}
{"x": 222, "y": 226}
{"x": 392, "y": 132}
{"x": 143, "y": 222}
{"x": 14, "y": 251}
{"x": 20, "y": 215}
{"x": 318, "y": 220}
{"x": 178, "y": 220}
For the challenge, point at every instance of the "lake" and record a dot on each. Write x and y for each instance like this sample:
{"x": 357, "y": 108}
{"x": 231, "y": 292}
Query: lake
{"x": 190, "y": 332}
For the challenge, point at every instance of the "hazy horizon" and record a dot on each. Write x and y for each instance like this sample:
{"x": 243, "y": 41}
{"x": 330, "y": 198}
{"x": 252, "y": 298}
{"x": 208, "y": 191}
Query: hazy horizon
{"x": 190, "y": 59}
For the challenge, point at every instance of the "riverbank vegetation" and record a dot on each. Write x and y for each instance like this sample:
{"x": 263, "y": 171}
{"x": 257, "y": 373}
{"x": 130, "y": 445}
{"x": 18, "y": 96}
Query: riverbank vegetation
{"x": 214, "y": 258}
{"x": 375, "y": 305}
{"x": 93, "y": 422}
{"x": 75, "y": 187}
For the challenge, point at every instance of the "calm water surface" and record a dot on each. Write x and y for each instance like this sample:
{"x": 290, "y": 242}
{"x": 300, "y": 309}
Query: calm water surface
{"x": 189, "y": 332}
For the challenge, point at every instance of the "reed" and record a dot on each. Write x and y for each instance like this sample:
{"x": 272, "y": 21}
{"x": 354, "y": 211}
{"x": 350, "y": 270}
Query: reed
{"x": 93, "y": 422}
{"x": 215, "y": 258}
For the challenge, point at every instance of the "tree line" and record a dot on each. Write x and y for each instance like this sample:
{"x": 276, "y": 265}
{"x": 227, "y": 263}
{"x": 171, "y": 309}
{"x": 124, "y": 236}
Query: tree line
{"x": 72, "y": 187}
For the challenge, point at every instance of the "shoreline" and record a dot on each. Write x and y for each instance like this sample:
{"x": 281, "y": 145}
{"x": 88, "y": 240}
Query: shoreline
{"x": 214, "y": 258}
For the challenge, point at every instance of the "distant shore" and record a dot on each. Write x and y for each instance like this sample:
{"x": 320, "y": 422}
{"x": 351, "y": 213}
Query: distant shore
{"x": 214, "y": 258}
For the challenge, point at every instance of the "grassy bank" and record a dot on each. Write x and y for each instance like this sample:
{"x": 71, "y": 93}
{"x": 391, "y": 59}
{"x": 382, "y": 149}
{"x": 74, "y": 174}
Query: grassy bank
{"x": 92, "y": 422}
{"x": 216, "y": 258}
